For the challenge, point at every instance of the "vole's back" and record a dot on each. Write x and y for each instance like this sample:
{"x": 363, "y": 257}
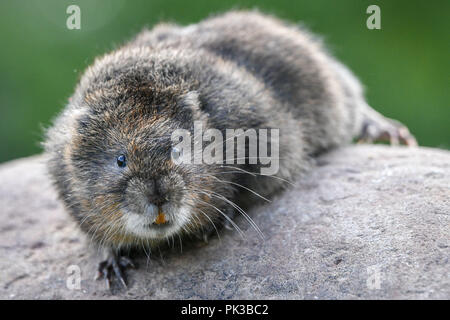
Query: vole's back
{"x": 291, "y": 63}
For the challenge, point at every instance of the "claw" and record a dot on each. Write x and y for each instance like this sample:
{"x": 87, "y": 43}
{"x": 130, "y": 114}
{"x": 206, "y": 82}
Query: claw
{"x": 113, "y": 266}
{"x": 126, "y": 262}
{"x": 118, "y": 273}
{"x": 407, "y": 138}
{"x": 381, "y": 129}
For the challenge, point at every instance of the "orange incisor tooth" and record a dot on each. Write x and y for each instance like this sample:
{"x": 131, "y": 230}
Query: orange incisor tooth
{"x": 161, "y": 218}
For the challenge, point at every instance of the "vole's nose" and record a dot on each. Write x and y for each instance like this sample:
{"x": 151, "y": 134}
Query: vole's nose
{"x": 157, "y": 199}
{"x": 155, "y": 195}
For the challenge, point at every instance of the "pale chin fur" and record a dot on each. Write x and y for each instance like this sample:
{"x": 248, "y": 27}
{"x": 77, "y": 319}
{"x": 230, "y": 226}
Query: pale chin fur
{"x": 140, "y": 224}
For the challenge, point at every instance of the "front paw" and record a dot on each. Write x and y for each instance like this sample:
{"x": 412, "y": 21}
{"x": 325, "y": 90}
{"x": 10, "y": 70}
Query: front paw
{"x": 114, "y": 266}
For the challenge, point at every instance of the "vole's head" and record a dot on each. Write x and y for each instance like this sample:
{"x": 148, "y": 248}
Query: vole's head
{"x": 118, "y": 163}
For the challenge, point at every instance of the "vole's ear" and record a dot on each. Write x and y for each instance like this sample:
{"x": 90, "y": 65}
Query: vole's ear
{"x": 190, "y": 104}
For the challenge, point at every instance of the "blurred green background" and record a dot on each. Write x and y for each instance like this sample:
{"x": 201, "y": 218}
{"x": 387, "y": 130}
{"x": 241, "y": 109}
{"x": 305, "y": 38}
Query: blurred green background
{"x": 405, "y": 66}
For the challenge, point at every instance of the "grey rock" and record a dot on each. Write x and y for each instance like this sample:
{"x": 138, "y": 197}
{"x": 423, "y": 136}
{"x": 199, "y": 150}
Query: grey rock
{"x": 370, "y": 222}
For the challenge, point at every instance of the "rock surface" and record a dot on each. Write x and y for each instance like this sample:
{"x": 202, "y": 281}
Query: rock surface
{"x": 368, "y": 222}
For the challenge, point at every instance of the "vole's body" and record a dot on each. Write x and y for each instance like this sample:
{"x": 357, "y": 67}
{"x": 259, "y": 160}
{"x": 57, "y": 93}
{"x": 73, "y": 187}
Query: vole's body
{"x": 239, "y": 70}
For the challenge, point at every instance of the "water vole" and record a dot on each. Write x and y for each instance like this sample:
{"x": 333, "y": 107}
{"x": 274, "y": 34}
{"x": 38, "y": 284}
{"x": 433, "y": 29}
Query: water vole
{"x": 111, "y": 153}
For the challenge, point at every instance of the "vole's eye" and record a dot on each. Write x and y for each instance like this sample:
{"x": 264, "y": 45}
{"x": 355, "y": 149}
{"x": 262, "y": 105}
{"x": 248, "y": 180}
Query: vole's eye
{"x": 121, "y": 161}
{"x": 176, "y": 154}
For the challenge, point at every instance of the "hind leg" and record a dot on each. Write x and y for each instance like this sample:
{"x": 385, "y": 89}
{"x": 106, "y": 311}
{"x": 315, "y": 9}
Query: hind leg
{"x": 378, "y": 128}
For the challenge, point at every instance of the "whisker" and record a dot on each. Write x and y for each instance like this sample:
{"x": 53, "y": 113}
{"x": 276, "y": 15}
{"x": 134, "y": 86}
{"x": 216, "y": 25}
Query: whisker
{"x": 240, "y": 185}
{"x": 226, "y": 217}
{"x": 264, "y": 175}
{"x": 214, "y": 226}
{"x": 234, "y": 205}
